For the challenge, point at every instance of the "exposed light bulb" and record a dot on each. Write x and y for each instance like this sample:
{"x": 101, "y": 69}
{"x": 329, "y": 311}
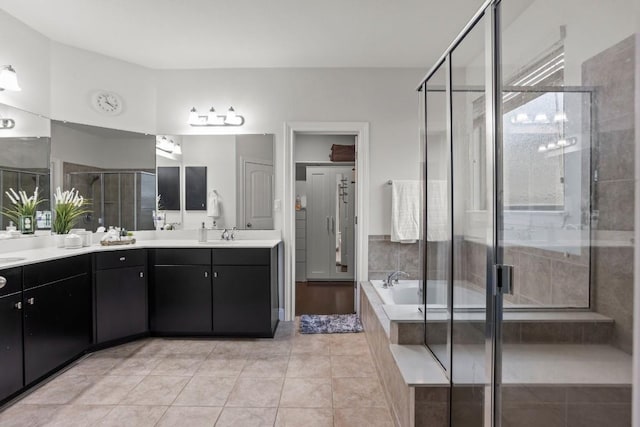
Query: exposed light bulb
{"x": 9, "y": 79}
{"x": 177, "y": 149}
{"x": 562, "y": 143}
{"x": 193, "y": 116}
{"x": 212, "y": 117}
{"x": 551, "y": 146}
{"x": 522, "y": 118}
{"x": 542, "y": 148}
{"x": 231, "y": 116}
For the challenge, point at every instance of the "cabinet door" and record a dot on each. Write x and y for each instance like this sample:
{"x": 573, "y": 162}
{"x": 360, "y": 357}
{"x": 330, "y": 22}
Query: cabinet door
{"x": 181, "y": 299}
{"x": 242, "y": 300}
{"x": 121, "y": 303}
{"x": 57, "y": 324}
{"x": 10, "y": 345}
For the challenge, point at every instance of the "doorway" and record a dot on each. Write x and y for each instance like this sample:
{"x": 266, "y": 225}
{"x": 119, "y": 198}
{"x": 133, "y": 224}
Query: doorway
{"x": 359, "y": 131}
{"x": 325, "y": 220}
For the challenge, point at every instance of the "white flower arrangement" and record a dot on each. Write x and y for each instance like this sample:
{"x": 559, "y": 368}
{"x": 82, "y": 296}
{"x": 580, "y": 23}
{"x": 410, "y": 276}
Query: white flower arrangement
{"x": 69, "y": 206}
{"x": 23, "y": 205}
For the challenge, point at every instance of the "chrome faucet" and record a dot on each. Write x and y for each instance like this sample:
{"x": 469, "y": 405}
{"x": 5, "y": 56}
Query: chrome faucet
{"x": 388, "y": 282}
{"x": 229, "y": 234}
{"x": 225, "y": 235}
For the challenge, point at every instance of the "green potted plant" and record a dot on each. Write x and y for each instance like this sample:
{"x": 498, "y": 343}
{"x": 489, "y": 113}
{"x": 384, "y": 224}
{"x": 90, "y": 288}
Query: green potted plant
{"x": 69, "y": 206}
{"x": 22, "y": 210}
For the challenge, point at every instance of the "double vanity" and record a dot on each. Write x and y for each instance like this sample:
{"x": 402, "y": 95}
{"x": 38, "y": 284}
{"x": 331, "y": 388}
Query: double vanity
{"x": 58, "y": 304}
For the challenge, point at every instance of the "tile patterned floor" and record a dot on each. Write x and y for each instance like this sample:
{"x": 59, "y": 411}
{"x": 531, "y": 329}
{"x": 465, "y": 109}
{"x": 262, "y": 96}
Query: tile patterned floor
{"x": 292, "y": 380}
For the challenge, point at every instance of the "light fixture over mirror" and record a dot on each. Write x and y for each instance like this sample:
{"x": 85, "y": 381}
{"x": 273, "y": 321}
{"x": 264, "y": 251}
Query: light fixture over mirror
{"x": 8, "y": 79}
{"x": 212, "y": 118}
{"x": 166, "y": 146}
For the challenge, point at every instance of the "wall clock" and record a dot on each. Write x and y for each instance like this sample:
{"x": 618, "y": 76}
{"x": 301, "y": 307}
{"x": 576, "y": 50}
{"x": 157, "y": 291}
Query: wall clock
{"x": 107, "y": 102}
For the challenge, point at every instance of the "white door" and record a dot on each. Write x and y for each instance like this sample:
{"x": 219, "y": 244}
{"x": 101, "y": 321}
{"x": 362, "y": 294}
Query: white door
{"x": 328, "y": 224}
{"x": 258, "y": 196}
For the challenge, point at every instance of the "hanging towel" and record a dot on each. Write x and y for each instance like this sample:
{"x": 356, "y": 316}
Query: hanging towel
{"x": 405, "y": 211}
{"x": 437, "y": 210}
{"x": 213, "y": 204}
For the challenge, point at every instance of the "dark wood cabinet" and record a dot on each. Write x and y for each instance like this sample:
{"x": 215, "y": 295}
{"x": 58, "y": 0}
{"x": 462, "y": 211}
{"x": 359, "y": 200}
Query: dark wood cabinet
{"x": 120, "y": 295}
{"x": 11, "y": 333}
{"x": 180, "y": 295}
{"x": 57, "y": 315}
{"x": 245, "y": 301}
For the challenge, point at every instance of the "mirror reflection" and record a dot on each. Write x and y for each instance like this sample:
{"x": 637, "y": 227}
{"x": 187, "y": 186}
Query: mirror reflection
{"x": 114, "y": 169}
{"x": 230, "y": 176}
{"x": 24, "y": 162}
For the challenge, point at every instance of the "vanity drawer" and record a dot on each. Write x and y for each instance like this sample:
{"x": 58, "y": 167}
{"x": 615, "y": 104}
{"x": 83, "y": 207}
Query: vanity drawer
{"x": 13, "y": 277}
{"x": 182, "y": 257}
{"x": 120, "y": 259}
{"x": 242, "y": 256}
{"x": 53, "y": 271}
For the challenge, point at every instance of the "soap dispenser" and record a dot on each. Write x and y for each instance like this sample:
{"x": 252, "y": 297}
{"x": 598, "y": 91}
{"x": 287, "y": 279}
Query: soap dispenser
{"x": 202, "y": 234}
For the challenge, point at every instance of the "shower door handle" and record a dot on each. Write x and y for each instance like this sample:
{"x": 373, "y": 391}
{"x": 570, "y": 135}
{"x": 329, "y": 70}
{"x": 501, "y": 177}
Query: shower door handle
{"x": 333, "y": 225}
{"x": 328, "y": 225}
{"x": 504, "y": 278}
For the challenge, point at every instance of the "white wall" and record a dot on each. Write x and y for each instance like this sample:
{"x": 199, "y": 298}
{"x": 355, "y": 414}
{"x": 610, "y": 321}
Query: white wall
{"x": 28, "y": 52}
{"x": 385, "y": 98}
{"x": 58, "y": 80}
{"x": 76, "y": 74}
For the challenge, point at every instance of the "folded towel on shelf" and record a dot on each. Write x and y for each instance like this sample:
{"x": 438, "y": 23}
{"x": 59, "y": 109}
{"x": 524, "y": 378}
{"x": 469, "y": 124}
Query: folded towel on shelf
{"x": 437, "y": 224}
{"x": 213, "y": 204}
{"x": 405, "y": 211}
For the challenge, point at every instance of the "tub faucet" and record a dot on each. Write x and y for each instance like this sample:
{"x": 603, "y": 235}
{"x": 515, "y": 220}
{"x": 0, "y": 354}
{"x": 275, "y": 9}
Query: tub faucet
{"x": 394, "y": 276}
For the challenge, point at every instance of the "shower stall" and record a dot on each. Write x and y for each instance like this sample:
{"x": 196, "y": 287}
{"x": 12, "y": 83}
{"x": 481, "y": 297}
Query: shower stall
{"x": 123, "y": 199}
{"x": 528, "y": 139}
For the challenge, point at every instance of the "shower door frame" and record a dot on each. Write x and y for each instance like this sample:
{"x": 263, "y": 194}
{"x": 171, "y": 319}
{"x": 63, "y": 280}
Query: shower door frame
{"x": 493, "y": 368}
{"x": 498, "y": 277}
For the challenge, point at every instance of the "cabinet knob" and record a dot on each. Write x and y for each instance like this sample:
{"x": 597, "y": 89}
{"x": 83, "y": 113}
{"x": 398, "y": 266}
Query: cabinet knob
{"x": 215, "y": 274}
{"x": 122, "y": 258}
{"x": 206, "y": 274}
{"x": 3, "y": 282}
{"x": 142, "y": 274}
{"x": 31, "y": 301}
{"x": 18, "y": 305}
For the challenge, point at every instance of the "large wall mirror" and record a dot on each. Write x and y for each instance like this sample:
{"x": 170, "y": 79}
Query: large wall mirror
{"x": 24, "y": 161}
{"x": 114, "y": 169}
{"x": 239, "y": 178}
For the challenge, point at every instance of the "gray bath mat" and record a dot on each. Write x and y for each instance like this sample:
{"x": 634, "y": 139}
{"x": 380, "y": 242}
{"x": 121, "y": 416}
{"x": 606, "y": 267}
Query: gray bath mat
{"x": 329, "y": 323}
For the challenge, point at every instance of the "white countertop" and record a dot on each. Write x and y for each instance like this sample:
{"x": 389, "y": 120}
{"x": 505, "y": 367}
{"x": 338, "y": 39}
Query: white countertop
{"x": 32, "y": 256}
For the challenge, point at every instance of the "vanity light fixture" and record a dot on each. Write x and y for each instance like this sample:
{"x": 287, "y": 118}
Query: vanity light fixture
{"x": 212, "y": 118}
{"x": 167, "y": 145}
{"x": 541, "y": 118}
{"x": 9, "y": 79}
{"x": 559, "y": 144}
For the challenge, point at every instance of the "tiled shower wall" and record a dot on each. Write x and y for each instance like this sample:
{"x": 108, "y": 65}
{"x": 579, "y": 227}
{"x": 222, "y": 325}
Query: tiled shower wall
{"x": 612, "y": 74}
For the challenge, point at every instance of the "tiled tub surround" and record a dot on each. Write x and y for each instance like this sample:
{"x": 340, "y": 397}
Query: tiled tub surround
{"x": 565, "y": 352}
{"x": 386, "y": 256}
{"x": 413, "y": 382}
{"x": 291, "y": 380}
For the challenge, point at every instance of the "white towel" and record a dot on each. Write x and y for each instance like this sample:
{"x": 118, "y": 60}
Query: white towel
{"x": 437, "y": 224}
{"x": 405, "y": 211}
{"x": 213, "y": 204}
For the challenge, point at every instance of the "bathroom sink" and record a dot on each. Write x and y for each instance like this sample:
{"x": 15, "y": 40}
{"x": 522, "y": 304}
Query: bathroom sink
{"x": 6, "y": 260}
